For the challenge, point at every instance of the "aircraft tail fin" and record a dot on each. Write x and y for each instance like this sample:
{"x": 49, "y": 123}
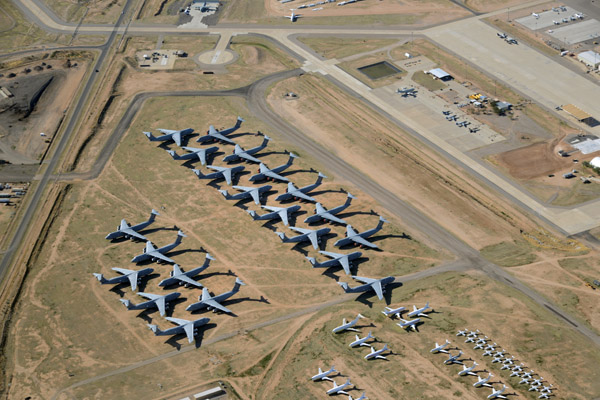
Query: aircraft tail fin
{"x": 180, "y": 236}
{"x": 224, "y": 193}
{"x": 344, "y": 286}
{"x": 281, "y": 236}
{"x": 126, "y": 303}
{"x": 320, "y": 178}
{"x": 100, "y": 278}
{"x": 291, "y": 159}
{"x": 238, "y": 123}
{"x": 385, "y": 348}
{"x": 150, "y": 136}
{"x": 154, "y": 328}
{"x": 369, "y": 335}
{"x": 173, "y": 154}
{"x": 349, "y": 199}
{"x": 252, "y": 214}
{"x": 198, "y": 173}
{"x": 381, "y": 222}
{"x": 312, "y": 261}
{"x": 265, "y": 141}
{"x": 153, "y": 215}
{"x": 238, "y": 283}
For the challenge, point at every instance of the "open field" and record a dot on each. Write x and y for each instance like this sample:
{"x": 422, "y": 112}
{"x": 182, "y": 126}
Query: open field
{"x": 341, "y": 47}
{"x": 97, "y": 12}
{"x": 352, "y": 66}
{"x": 485, "y": 6}
{"x": 73, "y": 328}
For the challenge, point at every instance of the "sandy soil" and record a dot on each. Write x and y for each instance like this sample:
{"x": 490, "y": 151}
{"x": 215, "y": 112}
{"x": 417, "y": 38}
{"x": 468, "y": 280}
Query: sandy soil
{"x": 486, "y": 6}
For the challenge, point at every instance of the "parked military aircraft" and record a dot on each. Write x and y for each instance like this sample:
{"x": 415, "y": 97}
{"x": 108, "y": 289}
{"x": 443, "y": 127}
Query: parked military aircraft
{"x": 214, "y": 302}
{"x": 154, "y": 254}
{"x": 419, "y": 312}
{"x": 128, "y": 275}
{"x": 377, "y": 285}
{"x": 497, "y": 394}
{"x": 322, "y": 376}
{"x": 439, "y": 348}
{"x": 362, "y": 397}
{"x": 127, "y": 231}
{"x": 265, "y": 172}
{"x": 185, "y": 278}
{"x": 377, "y": 353}
{"x": 247, "y": 192}
{"x": 294, "y": 16}
{"x": 194, "y": 153}
{"x": 406, "y": 91}
{"x": 215, "y": 135}
{"x": 362, "y": 341}
{"x": 339, "y": 389}
{"x": 246, "y": 155}
{"x": 337, "y": 259}
{"x": 391, "y": 312}
{"x": 468, "y": 371}
{"x": 412, "y": 324}
{"x": 168, "y": 134}
{"x": 189, "y": 327}
{"x": 294, "y": 193}
{"x": 454, "y": 359}
{"x": 347, "y": 326}
{"x": 510, "y": 40}
{"x": 483, "y": 381}
{"x": 360, "y": 238}
{"x": 220, "y": 173}
{"x": 314, "y": 236}
{"x": 501, "y": 35}
{"x": 322, "y": 214}
{"x": 276, "y": 213}
{"x": 154, "y": 301}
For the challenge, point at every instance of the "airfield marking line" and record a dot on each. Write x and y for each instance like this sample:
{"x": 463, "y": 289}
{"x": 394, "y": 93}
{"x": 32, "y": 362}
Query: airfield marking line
{"x": 447, "y": 267}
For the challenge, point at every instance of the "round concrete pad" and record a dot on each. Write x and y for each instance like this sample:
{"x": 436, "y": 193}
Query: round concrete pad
{"x": 217, "y": 57}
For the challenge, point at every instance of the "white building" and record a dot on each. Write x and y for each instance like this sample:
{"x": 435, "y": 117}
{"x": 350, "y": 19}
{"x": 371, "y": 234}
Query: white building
{"x": 595, "y": 162}
{"x": 589, "y": 58}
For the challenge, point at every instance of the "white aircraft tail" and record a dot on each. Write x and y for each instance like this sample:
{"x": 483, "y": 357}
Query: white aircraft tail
{"x": 282, "y": 236}
{"x": 154, "y": 329}
{"x": 173, "y": 154}
{"x": 180, "y": 236}
{"x": 238, "y": 283}
{"x": 100, "y": 278}
{"x": 150, "y": 136}
{"x": 385, "y": 348}
{"x": 126, "y": 303}
{"x": 381, "y": 222}
{"x": 344, "y": 286}
{"x": 312, "y": 261}
{"x": 224, "y": 193}
{"x": 320, "y": 178}
{"x": 252, "y": 214}
{"x": 198, "y": 173}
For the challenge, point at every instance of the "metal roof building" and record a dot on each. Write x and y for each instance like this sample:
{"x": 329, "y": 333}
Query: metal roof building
{"x": 589, "y": 58}
{"x": 440, "y": 74}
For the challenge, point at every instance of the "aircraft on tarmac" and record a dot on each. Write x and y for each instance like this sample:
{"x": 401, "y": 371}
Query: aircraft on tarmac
{"x": 154, "y": 301}
{"x": 468, "y": 371}
{"x": 462, "y": 333}
{"x": 130, "y": 232}
{"x": 377, "y": 353}
{"x": 497, "y": 394}
{"x": 359, "y": 238}
{"x": 216, "y": 135}
{"x": 190, "y": 328}
{"x": 314, "y": 236}
{"x": 483, "y": 381}
{"x": 339, "y": 389}
{"x": 128, "y": 275}
{"x": 293, "y": 192}
{"x": 322, "y": 214}
{"x": 168, "y": 134}
{"x": 377, "y": 285}
{"x": 294, "y": 16}
{"x": 185, "y": 278}
{"x": 501, "y": 35}
{"x": 510, "y": 40}
{"x": 524, "y": 381}
{"x": 214, "y": 302}
{"x": 220, "y": 173}
{"x": 488, "y": 353}
{"x": 246, "y": 155}
{"x": 439, "y": 348}
{"x": 390, "y": 312}
{"x": 337, "y": 259}
{"x": 347, "y": 326}
{"x": 362, "y": 397}
{"x": 412, "y": 324}
{"x": 419, "y": 312}
{"x": 276, "y": 213}
{"x": 362, "y": 341}
{"x": 247, "y": 192}
{"x": 158, "y": 255}
{"x": 265, "y": 172}
{"x": 194, "y": 152}
{"x": 454, "y": 359}
{"x": 322, "y": 376}
{"x": 536, "y": 16}
{"x": 405, "y": 92}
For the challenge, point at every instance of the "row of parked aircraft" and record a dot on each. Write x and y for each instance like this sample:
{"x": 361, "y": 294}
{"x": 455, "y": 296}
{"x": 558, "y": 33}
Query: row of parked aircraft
{"x": 336, "y": 389}
{"x": 508, "y": 363}
{"x": 321, "y": 213}
{"x": 507, "y": 39}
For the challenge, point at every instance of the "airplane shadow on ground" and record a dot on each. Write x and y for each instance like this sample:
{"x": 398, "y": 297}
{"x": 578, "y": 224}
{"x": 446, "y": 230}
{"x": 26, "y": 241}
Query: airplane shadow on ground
{"x": 300, "y": 247}
{"x": 175, "y": 339}
{"x": 387, "y": 295}
{"x": 142, "y": 232}
{"x": 338, "y": 268}
{"x": 118, "y": 288}
{"x": 204, "y": 276}
{"x": 353, "y": 213}
{"x": 286, "y": 173}
{"x": 271, "y": 224}
{"x": 149, "y": 314}
{"x": 229, "y": 303}
{"x": 194, "y": 163}
{"x": 319, "y": 192}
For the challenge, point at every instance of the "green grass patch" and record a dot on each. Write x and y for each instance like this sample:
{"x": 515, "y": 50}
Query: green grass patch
{"x": 427, "y": 81}
{"x": 335, "y": 47}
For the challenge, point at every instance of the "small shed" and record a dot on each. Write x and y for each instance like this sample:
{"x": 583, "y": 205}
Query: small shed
{"x": 440, "y": 74}
{"x": 503, "y": 106}
{"x": 589, "y": 58}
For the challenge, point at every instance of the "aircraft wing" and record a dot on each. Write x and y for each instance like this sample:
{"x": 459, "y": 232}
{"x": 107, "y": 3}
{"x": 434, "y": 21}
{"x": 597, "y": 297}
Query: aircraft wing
{"x": 160, "y": 256}
{"x": 178, "y": 321}
{"x": 273, "y": 175}
{"x": 364, "y": 280}
{"x": 214, "y": 304}
{"x": 217, "y": 135}
{"x": 301, "y": 230}
{"x": 177, "y": 138}
{"x": 123, "y": 271}
{"x": 189, "y": 331}
{"x": 345, "y": 264}
{"x": 131, "y": 232}
{"x": 248, "y": 157}
{"x": 320, "y": 209}
{"x": 283, "y": 214}
{"x": 133, "y": 278}
{"x": 166, "y": 131}
{"x": 350, "y": 231}
{"x": 149, "y": 296}
{"x": 378, "y": 289}
{"x": 187, "y": 279}
{"x": 161, "y": 305}
{"x": 255, "y": 196}
{"x": 314, "y": 239}
{"x": 202, "y": 156}
{"x": 298, "y": 193}
{"x": 332, "y": 217}
{"x": 227, "y": 176}
{"x": 362, "y": 241}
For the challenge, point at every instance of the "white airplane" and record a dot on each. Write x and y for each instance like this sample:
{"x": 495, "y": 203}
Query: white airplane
{"x": 336, "y": 259}
{"x": 473, "y": 333}
{"x": 483, "y": 381}
{"x": 497, "y": 359}
{"x": 323, "y": 376}
{"x": 536, "y": 16}
{"x": 491, "y": 347}
{"x": 158, "y": 254}
{"x": 500, "y": 353}
{"x": 419, "y": 312}
{"x": 468, "y": 371}
{"x": 462, "y": 333}
{"x": 524, "y": 381}
{"x": 246, "y": 192}
{"x": 127, "y": 275}
{"x": 488, "y": 353}
{"x": 528, "y": 374}
{"x": 312, "y": 235}
{"x": 501, "y": 35}
{"x": 470, "y": 340}
{"x": 390, "y": 312}
{"x": 538, "y": 381}
{"x": 482, "y": 340}
{"x": 478, "y": 346}
{"x": 246, "y": 155}
{"x": 377, "y": 353}
{"x": 169, "y": 134}
{"x": 194, "y": 152}
{"x": 518, "y": 368}
{"x": 377, "y": 285}
{"x": 439, "y": 348}
{"x": 497, "y": 394}
{"x": 215, "y": 135}
{"x": 514, "y": 373}
{"x": 362, "y": 397}
{"x": 509, "y": 360}
{"x": 276, "y": 213}
{"x": 221, "y": 173}
{"x": 544, "y": 396}
{"x": 547, "y": 389}
{"x": 339, "y": 389}
{"x": 294, "y": 16}
{"x": 412, "y": 324}
{"x": 405, "y": 92}
{"x": 185, "y": 277}
{"x": 362, "y": 341}
{"x": 154, "y": 301}
{"x": 129, "y": 232}
{"x": 534, "y": 387}
{"x": 190, "y": 328}
{"x": 454, "y": 359}
{"x": 348, "y": 326}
